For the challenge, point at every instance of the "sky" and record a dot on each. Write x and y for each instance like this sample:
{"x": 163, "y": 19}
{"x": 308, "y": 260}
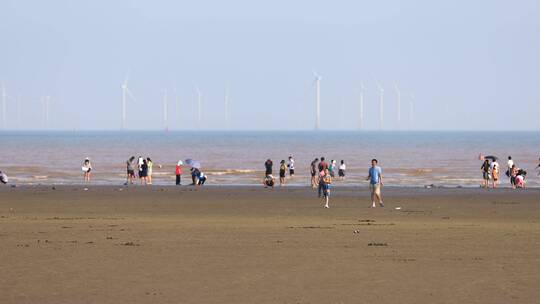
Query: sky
{"x": 464, "y": 65}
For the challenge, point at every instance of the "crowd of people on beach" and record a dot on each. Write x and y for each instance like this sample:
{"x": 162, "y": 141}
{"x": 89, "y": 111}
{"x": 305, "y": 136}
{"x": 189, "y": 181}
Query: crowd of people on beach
{"x": 491, "y": 172}
{"x": 323, "y": 174}
{"x": 322, "y": 177}
{"x": 144, "y": 166}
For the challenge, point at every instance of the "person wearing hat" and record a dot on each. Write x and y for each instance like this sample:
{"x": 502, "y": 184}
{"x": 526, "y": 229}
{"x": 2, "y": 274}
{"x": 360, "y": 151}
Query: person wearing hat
{"x": 178, "y": 172}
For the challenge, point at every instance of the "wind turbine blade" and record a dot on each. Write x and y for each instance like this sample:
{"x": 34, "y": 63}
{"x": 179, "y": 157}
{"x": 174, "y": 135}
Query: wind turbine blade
{"x": 127, "y": 77}
{"x": 130, "y": 94}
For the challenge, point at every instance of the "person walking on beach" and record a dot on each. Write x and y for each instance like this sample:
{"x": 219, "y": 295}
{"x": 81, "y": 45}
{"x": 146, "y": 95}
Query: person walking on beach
{"x": 322, "y": 167}
{"x": 485, "y": 173}
{"x": 341, "y": 171}
{"x": 282, "y": 172}
{"x": 313, "y": 170}
{"x": 375, "y": 183}
{"x": 130, "y": 170}
{"x": 87, "y": 168}
{"x": 326, "y": 182}
{"x": 291, "y": 166}
{"x": 537, "y": 167}
{"x": 494, "y": 167}
{"x": 178, "y": 172}
{"x": 150, "y": 164}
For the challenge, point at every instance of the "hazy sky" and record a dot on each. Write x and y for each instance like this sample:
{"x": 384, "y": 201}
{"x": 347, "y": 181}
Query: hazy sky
{"x": 470, "y": 64}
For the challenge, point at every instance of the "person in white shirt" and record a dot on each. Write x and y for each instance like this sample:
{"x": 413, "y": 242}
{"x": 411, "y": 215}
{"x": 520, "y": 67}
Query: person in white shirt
{"x": 290, "y": 165}
{"x": 509, "y": 166}
{"x": 342, "y": 168}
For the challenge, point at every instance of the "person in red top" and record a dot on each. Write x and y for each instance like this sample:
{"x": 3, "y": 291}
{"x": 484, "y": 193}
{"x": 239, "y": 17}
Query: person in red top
{"x": 323, "y": 165}
{"x": 179, "y": 172}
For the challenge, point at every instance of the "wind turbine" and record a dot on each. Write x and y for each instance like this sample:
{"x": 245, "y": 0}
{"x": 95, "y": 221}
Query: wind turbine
{"x": 227, "y": 107}
{"x": 165, "y": 110}
{"x": 125, "y": 93}
{"x": 177, "y": 106}
{"x": 317, "y": 100}
{"x": 46, "y": 107}
{"x": 411, "y": 111}
{"x": 199, "y": 106}
{"x": 18, "y": 101}
{"x": 381, "y": 106}
{"x": 398, "y": 93}
{"x": 4, "y": 96}
{"x": 362, "y": 88}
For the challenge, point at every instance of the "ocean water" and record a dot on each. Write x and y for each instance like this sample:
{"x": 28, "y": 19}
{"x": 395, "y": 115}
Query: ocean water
{"x": 237, "y": 158}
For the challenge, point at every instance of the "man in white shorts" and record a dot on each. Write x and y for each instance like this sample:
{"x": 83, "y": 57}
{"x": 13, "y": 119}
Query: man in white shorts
{"x": 375, "y": 182}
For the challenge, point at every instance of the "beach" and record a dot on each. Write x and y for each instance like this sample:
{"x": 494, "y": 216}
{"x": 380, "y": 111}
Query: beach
{"x": 112, "y": 244}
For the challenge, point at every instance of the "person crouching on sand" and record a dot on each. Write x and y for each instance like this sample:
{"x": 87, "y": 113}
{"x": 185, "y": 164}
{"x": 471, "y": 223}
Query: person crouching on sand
{"x": 87, "y": 168}
{"x": 202, "y": 179}
{"x": 326, "y": 182}
{"x": 375, "y": 183}
{"x": 269, "y": 181}
{"x": 178, "y": 172}
{"x": 3, "y": 178}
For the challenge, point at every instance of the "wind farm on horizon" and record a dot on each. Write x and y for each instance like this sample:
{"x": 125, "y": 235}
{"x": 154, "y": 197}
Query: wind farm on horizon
{"x": 128, "y": 100}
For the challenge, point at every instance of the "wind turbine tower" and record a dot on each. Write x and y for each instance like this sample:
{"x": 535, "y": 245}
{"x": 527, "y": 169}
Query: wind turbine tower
{"x": 165, "y": 110}
{"x": 199, "y": 107}
{"x": 4, "y": 97}
{"x": 125, "y": 93}
{"x": 362, "y": 89}
{"x": 227, "y": 107}
{"x": 411, "y": 111}
{"x": 317, "y": 100}
{"x": 381, "y": 106}
{"x": 46, "y": 108}
{"x": 398, "y": 93}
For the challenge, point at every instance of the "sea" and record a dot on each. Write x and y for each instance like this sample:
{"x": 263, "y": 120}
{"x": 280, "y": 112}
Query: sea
{"x": 407, "y": 158}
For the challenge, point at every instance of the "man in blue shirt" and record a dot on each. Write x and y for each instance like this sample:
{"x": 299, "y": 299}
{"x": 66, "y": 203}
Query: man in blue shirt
{"x": 375, "y": 182}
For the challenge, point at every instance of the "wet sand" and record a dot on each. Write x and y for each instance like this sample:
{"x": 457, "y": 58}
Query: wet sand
{"x": 254, "y": 245}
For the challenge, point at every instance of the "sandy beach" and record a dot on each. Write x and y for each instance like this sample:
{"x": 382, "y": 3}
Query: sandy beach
{"x": 253, "y": 245}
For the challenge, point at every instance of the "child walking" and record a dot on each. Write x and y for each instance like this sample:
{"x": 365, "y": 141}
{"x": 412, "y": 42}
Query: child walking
{"x": 326, "y": 181}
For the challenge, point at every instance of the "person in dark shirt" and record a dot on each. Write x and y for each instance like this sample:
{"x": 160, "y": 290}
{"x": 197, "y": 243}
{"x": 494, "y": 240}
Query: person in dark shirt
{"x": 485, "y": 173}
{"x": 268, "y": 166}
{"x": 313, "y": 170}
{"x": 322, "y": 165}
